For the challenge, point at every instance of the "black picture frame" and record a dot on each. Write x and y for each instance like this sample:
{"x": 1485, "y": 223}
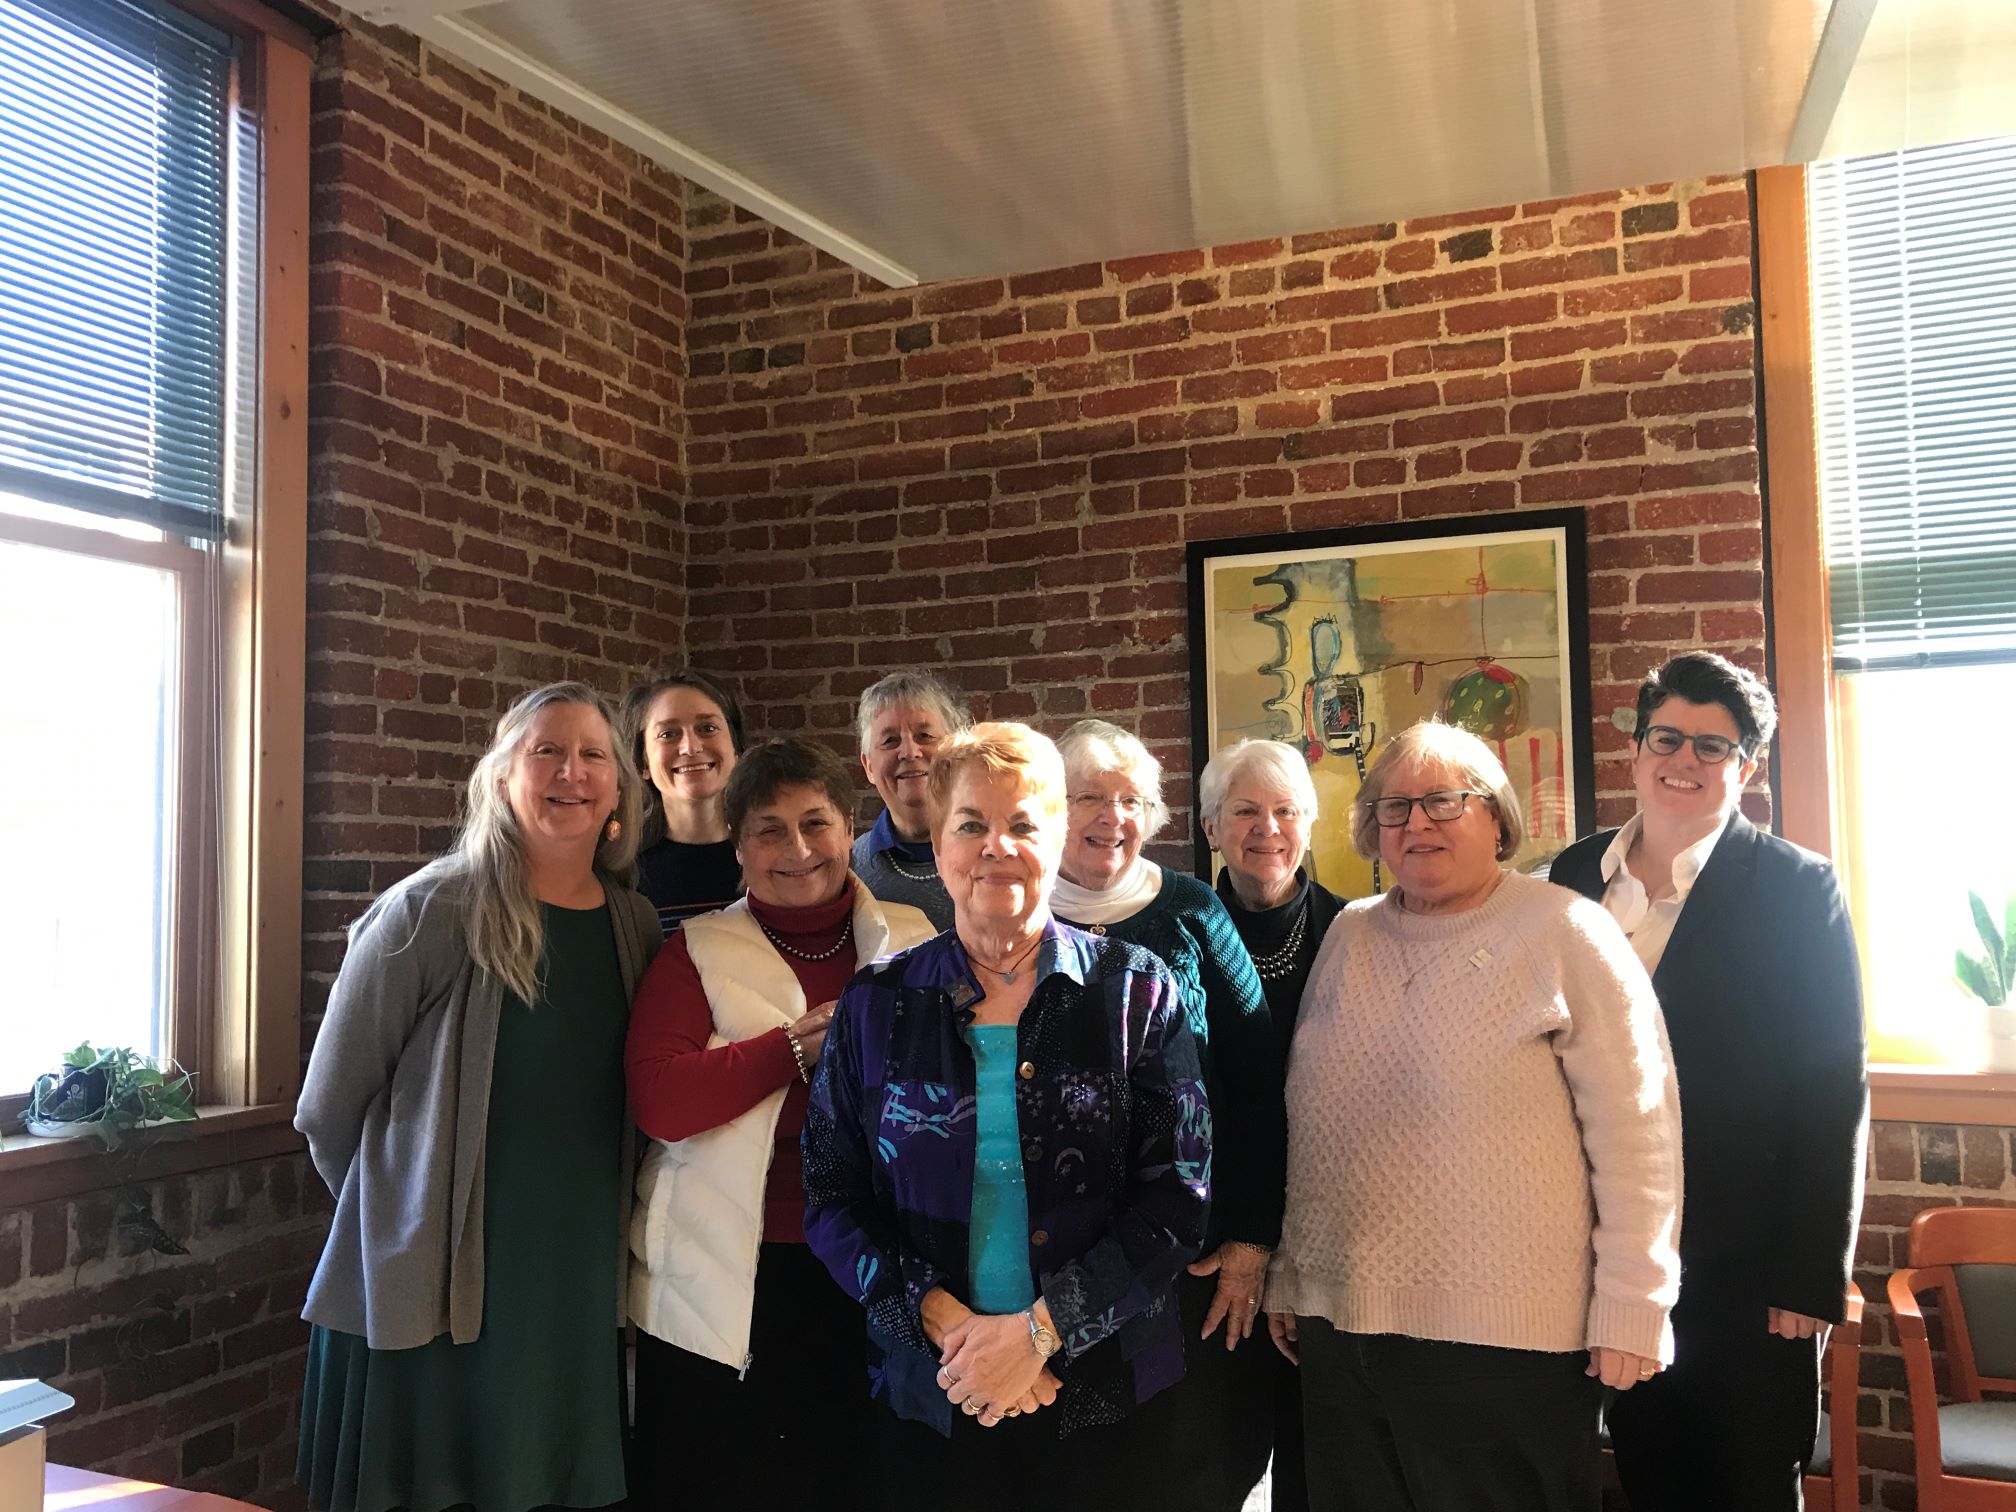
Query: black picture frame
{"x": 1565, "y": 528}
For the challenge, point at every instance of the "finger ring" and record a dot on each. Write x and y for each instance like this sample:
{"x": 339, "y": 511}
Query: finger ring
{"x": 1647, "y": 1373}
{"x": 945, "y": 1375}
{"x": 1013, "y": 1412}
{"x": 970, "y": 1407}
{"x": 1252, "y": 1301}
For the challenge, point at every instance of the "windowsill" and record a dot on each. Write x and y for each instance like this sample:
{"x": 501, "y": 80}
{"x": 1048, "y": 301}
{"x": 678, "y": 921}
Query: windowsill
{"x": 1923, "y": 1094}
{"x": 48, "y": 1170}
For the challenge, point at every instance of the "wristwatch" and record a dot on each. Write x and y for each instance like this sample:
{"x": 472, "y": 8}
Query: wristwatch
{"x": 1041, "y": 1339}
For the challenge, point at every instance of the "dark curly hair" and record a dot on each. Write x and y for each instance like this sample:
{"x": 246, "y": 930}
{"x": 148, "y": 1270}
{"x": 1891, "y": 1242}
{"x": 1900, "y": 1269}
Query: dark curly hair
{"x": 1702, "y": 677}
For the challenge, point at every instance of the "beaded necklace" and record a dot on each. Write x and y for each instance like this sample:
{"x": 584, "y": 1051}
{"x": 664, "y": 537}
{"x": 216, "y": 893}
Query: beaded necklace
{"x": 846, "y": 934}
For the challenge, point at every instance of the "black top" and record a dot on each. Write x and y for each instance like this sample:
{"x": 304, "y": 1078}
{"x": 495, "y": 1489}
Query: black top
{"x": 682, "y": 880}
{"x": 1762, "y": 992}
{"x": 1267, "y": 933}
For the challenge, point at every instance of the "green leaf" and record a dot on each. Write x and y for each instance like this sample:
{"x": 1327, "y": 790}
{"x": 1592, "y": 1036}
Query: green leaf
{"x": 1983, "y": 981}
{"x": 1985, "y": 927}
{"x": 2009, "y": 942}
{"x": 81, "y": 1057}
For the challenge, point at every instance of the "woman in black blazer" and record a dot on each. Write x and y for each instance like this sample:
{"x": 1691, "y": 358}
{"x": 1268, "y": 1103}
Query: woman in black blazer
{"x": 1748, "y": 941}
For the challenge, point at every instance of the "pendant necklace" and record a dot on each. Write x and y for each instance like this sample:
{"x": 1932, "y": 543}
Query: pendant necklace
{"x": 1007, "y": 976}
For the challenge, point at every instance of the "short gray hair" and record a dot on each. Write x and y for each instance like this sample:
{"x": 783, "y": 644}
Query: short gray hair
{"x": 1272, "y": 761}
{"x": 920, "y": 690}
{"x": 1452, "y": 746}
{"x": 1093, "y": 746}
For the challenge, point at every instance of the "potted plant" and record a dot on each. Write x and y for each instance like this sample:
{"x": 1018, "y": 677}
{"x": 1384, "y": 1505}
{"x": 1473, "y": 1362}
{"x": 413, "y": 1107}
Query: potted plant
{"x": 1990, "y": 977}
{"x": 109, "y": 1093}
{"x": 116, "y": 1094}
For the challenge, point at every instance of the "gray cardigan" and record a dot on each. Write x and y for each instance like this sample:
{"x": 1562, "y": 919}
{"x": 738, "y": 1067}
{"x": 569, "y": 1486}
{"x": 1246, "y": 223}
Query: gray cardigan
{"x": 396, "y": 1106}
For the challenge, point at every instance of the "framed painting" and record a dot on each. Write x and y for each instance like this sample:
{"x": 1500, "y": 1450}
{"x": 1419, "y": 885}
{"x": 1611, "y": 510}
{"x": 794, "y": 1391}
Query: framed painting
{"x": 1334, "y": 641}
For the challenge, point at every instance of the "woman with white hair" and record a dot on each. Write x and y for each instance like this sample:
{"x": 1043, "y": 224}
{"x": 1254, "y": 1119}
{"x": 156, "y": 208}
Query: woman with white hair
{"x": 899, "y": 724}
{"x": 1258, "y": 809}
{"x": 465, "y": 1105}
{"x": 1483, "y": 1164}
{"x": 1213, "y": 1430}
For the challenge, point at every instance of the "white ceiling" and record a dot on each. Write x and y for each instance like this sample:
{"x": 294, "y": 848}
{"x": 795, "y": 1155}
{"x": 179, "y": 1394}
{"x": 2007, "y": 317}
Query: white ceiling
{"x": 929, "y": 139}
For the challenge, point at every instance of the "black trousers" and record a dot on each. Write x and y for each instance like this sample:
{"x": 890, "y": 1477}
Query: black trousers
{"x": 1209, "y": 1435}
{"x": 1731, "y": 1424}
{"x": 792, "y": 1433}
{"x": 1025, "y": 1463}
{"x": 1397, "y": 1424}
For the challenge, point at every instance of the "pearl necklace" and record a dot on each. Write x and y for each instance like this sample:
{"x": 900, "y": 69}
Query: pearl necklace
{"x": 846, "y": 934}
{"x": 929, "y": 874}
{"x": 1275, "y": 967}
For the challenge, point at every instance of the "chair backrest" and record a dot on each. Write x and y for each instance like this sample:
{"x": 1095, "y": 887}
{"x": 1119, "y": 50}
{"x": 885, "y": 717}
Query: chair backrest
{"x": 1978, "y": 1247}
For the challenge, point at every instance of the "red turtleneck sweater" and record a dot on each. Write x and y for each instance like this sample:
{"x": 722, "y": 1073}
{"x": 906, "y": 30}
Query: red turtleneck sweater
{"x": 679, "y": 1087}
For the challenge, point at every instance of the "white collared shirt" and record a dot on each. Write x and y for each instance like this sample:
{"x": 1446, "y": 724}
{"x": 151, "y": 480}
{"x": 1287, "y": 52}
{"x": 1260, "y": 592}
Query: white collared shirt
{"x": 1650, "y": 923}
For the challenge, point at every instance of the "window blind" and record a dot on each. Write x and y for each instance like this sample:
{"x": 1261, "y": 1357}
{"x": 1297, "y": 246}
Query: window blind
{"x": 1914, "y": 310}
{"x": 113, "y": 180}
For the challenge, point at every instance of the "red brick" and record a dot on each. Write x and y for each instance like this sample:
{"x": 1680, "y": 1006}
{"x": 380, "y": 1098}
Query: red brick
{"x": 1698, "y": 587}
{"x": 1384, "y": 401}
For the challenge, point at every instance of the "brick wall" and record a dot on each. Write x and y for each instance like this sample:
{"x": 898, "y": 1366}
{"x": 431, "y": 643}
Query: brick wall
{"x": 496, "y": 355}
{"x": 999, "y": 476}
{"x": 186, "y": 1369}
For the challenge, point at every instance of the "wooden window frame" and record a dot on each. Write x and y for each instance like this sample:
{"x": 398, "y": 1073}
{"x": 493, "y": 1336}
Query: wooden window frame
{"x": 1806, "y": 780}
{"x": 237, "y": 1014}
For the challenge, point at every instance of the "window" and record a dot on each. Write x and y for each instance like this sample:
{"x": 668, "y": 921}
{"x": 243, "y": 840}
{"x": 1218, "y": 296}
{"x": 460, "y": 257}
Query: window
{"x": 152, "y": 473}
{"x": 1913, "y": 310}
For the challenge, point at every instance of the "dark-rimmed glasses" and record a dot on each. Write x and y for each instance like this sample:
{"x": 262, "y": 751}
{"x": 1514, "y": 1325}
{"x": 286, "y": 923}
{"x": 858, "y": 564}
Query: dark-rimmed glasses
{"x": 1713, "y": 750}
{"x": 1441, "y": 807}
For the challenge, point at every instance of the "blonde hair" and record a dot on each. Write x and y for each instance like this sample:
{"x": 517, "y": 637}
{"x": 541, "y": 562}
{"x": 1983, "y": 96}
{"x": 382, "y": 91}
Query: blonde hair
{"x": 1000, "y": 749}
{"x": 501, "y": 912}
{"x": 1451, "y": 746}
{"x": 1094, "y": 746}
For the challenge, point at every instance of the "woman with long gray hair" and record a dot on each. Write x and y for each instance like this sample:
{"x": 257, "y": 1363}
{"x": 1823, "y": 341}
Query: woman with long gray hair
{"x": 465, "y": 1104}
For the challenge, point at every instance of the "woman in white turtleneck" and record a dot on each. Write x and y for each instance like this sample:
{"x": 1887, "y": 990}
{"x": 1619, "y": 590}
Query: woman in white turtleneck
{"x": 1221, "y": 1417}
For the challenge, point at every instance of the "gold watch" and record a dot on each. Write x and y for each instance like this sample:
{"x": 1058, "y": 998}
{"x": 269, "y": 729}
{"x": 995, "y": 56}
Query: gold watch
{"x": 1041, "y": 1339}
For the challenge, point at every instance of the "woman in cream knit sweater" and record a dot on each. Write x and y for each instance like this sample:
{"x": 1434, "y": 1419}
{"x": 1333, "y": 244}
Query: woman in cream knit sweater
{"x": 1484, "y": 1164}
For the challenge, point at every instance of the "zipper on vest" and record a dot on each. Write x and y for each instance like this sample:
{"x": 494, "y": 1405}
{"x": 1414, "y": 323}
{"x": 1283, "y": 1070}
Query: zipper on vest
{"x": 748, "y": 1360}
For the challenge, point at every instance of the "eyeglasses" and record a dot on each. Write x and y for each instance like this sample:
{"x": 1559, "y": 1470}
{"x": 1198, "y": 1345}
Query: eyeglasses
{"x": 1441, "y": 807}
{"x": 1664, "y": 740}
{"x": 1131, "y": 805}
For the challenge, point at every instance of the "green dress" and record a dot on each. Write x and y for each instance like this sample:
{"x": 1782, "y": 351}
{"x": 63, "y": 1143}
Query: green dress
{"x": 530, "y": 1413}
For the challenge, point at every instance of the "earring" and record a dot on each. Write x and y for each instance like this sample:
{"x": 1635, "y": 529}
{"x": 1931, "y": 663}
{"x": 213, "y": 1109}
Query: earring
{"x": 613, "y": 830}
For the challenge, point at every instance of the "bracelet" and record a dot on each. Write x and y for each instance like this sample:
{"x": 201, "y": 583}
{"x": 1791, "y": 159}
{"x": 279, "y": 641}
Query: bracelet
{"x": 798, "y": 1055}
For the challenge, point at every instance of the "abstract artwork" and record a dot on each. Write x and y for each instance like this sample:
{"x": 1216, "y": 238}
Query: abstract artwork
{"x": 1332, "y": 642}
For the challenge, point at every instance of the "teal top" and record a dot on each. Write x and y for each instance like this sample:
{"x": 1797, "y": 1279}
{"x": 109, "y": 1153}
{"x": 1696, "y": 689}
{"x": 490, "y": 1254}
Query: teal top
{"x": 998, "y": 1261}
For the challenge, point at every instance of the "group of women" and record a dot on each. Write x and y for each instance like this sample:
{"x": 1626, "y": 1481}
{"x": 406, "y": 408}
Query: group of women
{"x": 985, "y": 1159}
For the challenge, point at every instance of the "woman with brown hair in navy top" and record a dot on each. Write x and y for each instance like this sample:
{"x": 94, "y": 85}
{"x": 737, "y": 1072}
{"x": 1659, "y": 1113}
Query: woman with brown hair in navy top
{"x": 685, "y": 731}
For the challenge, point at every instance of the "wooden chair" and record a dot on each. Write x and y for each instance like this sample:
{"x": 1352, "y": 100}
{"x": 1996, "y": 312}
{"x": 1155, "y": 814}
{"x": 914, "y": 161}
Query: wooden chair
{"x": 1834, "y": 1479}
{"x": 1965, "y": 1450}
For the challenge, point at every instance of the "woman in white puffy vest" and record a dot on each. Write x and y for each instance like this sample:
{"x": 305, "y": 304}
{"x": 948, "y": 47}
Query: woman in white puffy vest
{"x": 751, "y": 1378}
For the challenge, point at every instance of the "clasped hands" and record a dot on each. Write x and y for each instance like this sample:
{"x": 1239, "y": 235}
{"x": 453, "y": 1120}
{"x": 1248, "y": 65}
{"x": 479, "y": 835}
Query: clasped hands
{"x": 988, "y": 1366}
